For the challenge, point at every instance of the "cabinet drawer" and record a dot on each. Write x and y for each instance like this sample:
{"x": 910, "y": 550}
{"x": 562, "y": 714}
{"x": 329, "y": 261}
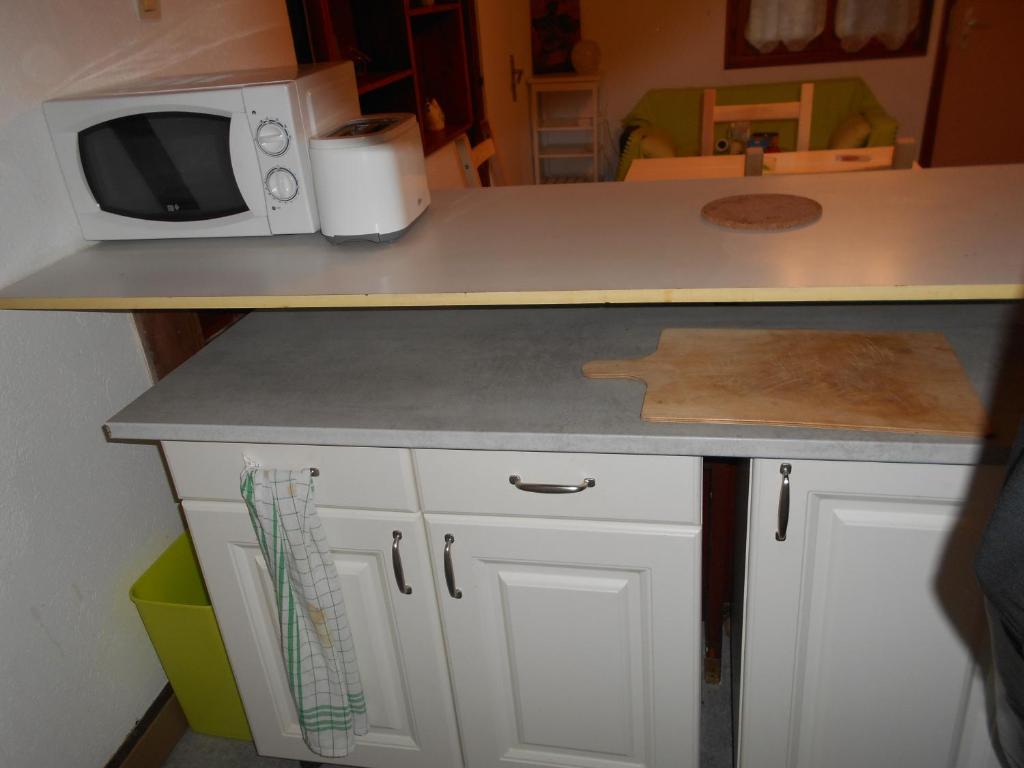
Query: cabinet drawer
{"x": 632, "y": 488}
{"x": 357, "y": 478}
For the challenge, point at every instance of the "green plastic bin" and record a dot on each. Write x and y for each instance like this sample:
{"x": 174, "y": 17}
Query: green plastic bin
{"x": 175, "y": 608}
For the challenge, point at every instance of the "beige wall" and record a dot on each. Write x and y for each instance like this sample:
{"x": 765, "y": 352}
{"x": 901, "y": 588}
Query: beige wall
{"x": 666, "y": 43}
{"x": 81, "y": 517}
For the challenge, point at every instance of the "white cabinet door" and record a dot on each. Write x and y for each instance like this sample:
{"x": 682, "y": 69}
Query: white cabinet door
{"x": 574, "y": 643}
{"x": 397, "y": 636}
{"x": 858, "y": 628}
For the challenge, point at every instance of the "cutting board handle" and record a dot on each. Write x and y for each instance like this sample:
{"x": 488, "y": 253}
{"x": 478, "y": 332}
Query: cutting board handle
{"x": 616, "y": 369}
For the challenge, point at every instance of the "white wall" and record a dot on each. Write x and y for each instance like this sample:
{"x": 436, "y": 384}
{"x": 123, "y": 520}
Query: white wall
{"x": 81, "y": 518}
{"x": 666, "y": 44}
{"x": 503, "y": 28}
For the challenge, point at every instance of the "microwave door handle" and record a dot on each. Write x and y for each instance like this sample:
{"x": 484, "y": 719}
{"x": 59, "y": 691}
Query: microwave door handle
{"x": 245, "y": 164}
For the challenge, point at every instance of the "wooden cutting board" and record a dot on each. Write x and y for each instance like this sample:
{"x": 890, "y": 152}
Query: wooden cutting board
{"x": 891, "y": 382}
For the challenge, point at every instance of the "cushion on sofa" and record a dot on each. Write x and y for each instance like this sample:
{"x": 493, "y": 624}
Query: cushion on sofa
{"x": 853, "y": 132}
{"x": 656, "y": 142}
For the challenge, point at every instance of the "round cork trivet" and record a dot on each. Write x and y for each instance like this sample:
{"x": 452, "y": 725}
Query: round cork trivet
{"x": 762, "y": 213}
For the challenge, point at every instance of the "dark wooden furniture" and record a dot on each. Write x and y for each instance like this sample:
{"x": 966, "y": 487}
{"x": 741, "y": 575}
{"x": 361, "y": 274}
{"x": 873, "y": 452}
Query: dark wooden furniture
{"x": 169, "y": 338}
{"x": 405, "y": 53}
{"x": 720, "y": 499}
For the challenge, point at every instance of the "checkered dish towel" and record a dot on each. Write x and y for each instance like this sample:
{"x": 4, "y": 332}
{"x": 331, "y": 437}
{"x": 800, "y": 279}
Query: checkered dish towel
{"x": 319, "y": 656}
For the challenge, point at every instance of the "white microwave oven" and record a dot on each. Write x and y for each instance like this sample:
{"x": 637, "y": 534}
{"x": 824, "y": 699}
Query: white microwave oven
{"x": 199, "y": 156}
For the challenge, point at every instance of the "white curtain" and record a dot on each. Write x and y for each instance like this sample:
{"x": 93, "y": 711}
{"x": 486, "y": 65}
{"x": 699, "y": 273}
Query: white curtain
{"x": 890, "y": 21}
{"x": 794, "y": 23}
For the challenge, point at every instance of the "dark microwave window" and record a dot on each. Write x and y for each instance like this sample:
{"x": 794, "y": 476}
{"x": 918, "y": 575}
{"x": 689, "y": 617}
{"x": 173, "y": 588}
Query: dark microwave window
{"x": 162, "y": 166}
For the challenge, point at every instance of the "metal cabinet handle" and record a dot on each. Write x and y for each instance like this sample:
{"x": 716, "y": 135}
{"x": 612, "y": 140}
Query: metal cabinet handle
{"x": 517, "y": 481}
{"x": 780, "y": 534}
{"x": 449, "y": 569}
{"x": 396, "y": 563}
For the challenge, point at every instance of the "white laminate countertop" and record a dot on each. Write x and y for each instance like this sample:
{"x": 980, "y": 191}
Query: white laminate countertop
{"x": 510, "y": 379}
{"x": 937, "y": 234}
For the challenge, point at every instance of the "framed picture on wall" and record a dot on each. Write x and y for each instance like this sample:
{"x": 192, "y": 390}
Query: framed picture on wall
{"x": 554, "y": 30}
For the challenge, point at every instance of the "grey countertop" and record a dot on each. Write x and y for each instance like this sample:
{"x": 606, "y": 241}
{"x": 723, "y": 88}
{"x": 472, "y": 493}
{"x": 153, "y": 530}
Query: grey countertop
{"x": 938, "y": 234}
{"x": 509, "y": 379}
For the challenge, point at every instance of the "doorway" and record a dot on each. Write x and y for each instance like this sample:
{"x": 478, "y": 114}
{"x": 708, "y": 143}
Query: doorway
{"x": 975, "y": 114}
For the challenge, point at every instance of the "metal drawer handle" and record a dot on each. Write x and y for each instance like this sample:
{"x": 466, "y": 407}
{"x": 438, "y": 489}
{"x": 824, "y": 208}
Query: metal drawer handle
{"x": 780, "y": 534}
{"x": 396, "y": 563}
{"x": 449, "y": 569}
{"x": 517, "y": 481}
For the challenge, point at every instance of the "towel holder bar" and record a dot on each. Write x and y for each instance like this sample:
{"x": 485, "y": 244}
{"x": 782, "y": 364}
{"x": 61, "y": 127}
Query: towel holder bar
{"x": 251, "y": 463}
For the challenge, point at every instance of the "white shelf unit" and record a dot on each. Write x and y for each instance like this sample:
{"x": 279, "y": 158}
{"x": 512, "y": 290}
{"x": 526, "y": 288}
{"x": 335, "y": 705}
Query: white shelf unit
{"x": 564, "y": 118}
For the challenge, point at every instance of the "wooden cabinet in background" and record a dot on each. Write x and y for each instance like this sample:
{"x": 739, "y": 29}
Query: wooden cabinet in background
{"x": 405, "y": 53}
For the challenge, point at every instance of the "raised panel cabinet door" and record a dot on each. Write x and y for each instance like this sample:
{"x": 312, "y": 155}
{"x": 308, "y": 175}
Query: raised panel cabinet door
{"x": 571, "y": 643}
{"x": 397, "y": 636}
{"x": 860, "y": 627}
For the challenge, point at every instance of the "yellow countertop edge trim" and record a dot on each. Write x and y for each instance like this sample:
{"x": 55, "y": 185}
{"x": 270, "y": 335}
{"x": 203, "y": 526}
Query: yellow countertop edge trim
{"x": 992, "y": 292}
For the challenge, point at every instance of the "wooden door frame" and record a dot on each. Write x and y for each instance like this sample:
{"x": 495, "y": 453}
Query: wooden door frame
{"x": 931, "y": 120}
{"x": 471, "y": 30}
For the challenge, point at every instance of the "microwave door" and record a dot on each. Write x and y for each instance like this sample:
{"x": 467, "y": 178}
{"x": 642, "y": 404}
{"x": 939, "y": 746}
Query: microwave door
{"x": 168, "y": 173}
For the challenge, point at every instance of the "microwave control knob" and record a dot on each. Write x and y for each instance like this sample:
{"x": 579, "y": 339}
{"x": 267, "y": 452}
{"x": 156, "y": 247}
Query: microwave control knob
{"x": 281, "y": 184}
{"x": 272, "y": 137}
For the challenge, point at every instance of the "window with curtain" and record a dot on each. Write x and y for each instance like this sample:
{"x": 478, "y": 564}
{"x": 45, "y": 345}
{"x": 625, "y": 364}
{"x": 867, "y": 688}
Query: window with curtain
{"x": 777, "y": 32}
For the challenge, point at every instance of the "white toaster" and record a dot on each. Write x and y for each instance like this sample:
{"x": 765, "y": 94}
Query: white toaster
{"x": 370, "y": 178}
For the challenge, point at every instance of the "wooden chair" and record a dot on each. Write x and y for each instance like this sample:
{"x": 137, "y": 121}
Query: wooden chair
{"x": 473, "y": 158}
{"x": 800, "y": 111}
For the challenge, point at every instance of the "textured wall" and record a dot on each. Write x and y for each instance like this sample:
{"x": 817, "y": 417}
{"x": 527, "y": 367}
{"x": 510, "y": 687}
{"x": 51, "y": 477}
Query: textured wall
{"x": 81, "y": 518}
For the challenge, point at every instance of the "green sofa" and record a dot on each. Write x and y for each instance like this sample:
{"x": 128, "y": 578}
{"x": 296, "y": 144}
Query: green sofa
{"x": 678, "y": 111}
